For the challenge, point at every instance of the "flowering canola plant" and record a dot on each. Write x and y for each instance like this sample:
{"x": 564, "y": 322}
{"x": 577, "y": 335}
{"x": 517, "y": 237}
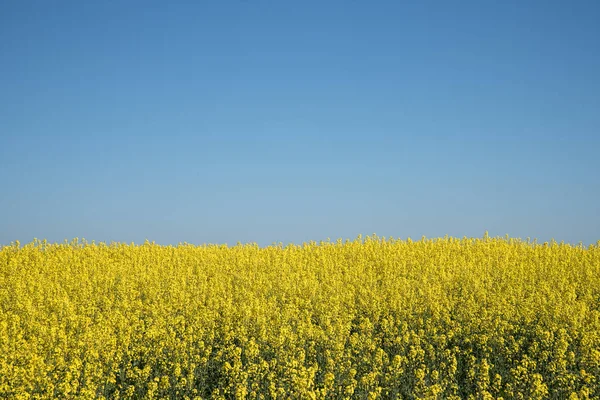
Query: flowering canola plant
{"x": 449, "y": 318}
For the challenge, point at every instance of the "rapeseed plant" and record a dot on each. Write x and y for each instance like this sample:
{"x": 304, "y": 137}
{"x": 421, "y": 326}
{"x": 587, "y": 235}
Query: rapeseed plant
{"x": 449, "y": 318}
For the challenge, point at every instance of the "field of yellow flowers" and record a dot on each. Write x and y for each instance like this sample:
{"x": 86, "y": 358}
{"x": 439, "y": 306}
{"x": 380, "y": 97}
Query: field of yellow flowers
{"x": 449, "y": 318}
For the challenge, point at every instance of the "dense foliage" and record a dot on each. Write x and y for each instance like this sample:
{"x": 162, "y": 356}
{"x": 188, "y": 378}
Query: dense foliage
{"x": 370, "y": 318}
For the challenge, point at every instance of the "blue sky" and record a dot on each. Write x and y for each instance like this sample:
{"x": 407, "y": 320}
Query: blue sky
{"x": 280, "y": 121}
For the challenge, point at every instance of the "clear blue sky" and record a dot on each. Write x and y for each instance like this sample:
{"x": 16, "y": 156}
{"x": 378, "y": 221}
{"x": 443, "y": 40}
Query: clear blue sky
{"x": 268, "y": 121}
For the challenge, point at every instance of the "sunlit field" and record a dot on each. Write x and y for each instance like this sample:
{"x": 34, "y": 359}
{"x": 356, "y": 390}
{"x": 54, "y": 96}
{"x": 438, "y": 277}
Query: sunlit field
{"x": 449, "y": 318}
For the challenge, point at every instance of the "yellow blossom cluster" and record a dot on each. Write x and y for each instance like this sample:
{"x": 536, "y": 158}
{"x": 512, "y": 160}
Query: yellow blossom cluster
{"x": 449, "y": 318}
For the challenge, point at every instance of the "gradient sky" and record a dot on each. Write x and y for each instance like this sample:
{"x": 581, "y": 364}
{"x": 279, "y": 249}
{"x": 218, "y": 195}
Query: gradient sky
{"x": 288, "y": 121}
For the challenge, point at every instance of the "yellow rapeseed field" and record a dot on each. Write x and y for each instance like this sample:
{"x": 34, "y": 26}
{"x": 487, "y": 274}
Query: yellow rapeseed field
{"x": 449, "y": 318}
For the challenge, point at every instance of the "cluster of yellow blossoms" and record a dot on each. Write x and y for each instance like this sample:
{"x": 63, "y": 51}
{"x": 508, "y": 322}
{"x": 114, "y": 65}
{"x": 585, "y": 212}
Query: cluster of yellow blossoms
{"x": 449, "y": 318}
